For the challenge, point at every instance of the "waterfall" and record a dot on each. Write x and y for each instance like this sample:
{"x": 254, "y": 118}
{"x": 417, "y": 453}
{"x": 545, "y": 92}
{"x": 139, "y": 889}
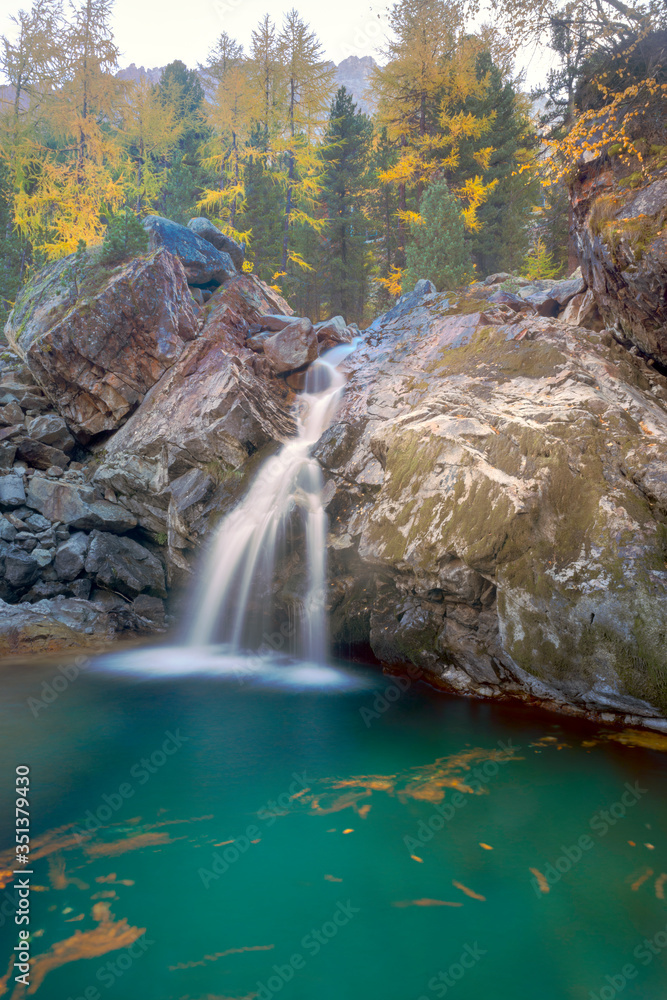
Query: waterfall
{"x": 239, "y": 570}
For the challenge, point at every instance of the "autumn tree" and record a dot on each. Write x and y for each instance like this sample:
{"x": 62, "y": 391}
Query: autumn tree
{"x": 303, "y": 103}
{"x": 181, "y": 91}
{"x": 150, "y": 134}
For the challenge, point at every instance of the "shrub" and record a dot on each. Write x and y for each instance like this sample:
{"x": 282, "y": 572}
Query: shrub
{"x": 438, "y": 250}
{"x": 125, "y": 237}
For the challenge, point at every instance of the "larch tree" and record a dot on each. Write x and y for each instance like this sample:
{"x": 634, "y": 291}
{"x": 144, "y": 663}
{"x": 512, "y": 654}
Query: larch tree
{"x": 79, "y": 180}
{"x": 307, "y": 88}
{"x": 150, "y": 132}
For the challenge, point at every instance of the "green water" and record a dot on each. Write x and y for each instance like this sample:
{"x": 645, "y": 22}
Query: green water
{"x": 131, "y": 825}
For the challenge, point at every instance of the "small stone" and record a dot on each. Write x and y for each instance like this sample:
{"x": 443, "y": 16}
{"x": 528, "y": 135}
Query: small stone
{"x": 54, "y": 472}
{"x": 42, "y": 556}
{"x": 12, "y": 491}
{"x": 71, "y": 556}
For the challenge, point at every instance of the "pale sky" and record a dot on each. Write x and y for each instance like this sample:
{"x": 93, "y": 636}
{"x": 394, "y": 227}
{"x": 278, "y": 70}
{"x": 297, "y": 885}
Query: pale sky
{"x": 155, "y": 32}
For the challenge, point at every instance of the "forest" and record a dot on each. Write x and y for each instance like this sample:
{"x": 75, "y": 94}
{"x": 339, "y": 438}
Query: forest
{"x": 460, "y": 171}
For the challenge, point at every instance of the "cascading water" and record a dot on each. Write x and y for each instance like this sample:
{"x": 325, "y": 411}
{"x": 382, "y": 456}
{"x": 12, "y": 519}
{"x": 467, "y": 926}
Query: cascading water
{"x": 239, "y": 570}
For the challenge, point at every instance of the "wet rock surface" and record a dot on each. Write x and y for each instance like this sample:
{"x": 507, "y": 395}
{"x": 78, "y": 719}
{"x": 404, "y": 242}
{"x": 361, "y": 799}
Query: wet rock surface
{"x": 497, "y": 502}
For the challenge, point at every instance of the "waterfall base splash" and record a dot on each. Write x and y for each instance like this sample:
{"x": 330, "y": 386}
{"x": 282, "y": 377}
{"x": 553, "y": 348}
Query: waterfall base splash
{"x": 232, "y": 603}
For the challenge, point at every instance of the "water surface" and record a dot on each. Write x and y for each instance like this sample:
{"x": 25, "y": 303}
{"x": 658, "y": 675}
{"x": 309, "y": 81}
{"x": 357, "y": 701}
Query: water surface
{"x": 206, "y": 829}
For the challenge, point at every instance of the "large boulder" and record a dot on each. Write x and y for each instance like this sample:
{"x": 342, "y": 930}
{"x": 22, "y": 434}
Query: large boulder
{"x": 123, "y": 565}
{"x": 182, "y": 456}
{"x": 202, "y": 263}
{"x": 77, "y": 506}
{"x": 497, "y": 494}
{"x": 293, "y": 347}
{"x": 205, "y": 229}
{"x": 98, "y": 345}
{"x": 63, "y": 623}
{"x": 619, "y": 229}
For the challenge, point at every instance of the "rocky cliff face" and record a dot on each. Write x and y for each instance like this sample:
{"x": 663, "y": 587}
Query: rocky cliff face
{"x": 620, "y": 228}
{"x": 497, "y": 493}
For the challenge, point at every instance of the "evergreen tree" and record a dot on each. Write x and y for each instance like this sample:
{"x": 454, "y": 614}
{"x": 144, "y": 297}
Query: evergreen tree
{"x": 346, "y": 152}
{"x": 180, "y": 91}
{"x": 263, "y": 210}
{"x": 438, "y": 249}
{"x": 501, "y": 157}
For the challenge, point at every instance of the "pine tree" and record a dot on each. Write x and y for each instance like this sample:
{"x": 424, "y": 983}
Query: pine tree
{"x": 438, "y": 250}
{"x": 150, "y": 134}
{"x": 180, "y": 90}
{"x": 346, "y": 153}
{"x": 502, "y": 157}
{"x": 263, "y": 210}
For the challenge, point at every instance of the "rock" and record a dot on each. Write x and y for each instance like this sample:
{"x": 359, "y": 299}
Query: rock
{"x": 8, "y": 432}
{"x": 151, "y": 608}
{"x": 7, "y": 455}
{"x": 205, "y": 229}
{"x": 71, "y": 556}
{"x": 496, "y": 279}
{"x": 294, "y": 347}
{"x": 582, "y": 311}
{"x": 98, "y": 354}
{"x": 123, "y": 565}
{"x": 333, "y": 331}
{"x": 275, "y": 322}
{"x": 77, "y": 506}
{"x": 41, "y": 456}
{"x": 42, "y": 556}
{"x": 563, "y": 291}
{"x": 61, "y": 623}
{"x": 201, "y": 262}
{"x": 55, "y": 472}
{"x": 11, "y": 414}
{"x": 51, "y": 429}
{"x": 622, "y": 245}
{"x": 211, "y": 412}
{"x": 256, "y": 342}
{"x": 496, "y": 498}
{"x": 7, "y": 530}
{"x": 505, "y": 298}
{"x": 405, "y": 304}
{"x": 21, "y": 569}
{"x": 541, "y": 299}
{"x": 12, "y": 491}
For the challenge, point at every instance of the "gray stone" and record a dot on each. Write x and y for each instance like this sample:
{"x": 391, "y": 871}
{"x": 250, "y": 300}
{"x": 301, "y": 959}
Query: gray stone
{"x": 334, "y": 331}
{"x": 12, "y": 491}
{"x": 36, "y": 521}
{"x": 148, "y": 607}
{"x": 294, "y": 347}
{"x": 105, "y": 516}
{"x": 51, "y": 429}
{"x": 71, "y": 556}
{"x": 201, "y": 262}
{"x": 21, "y": 570}
{"x": 649, "y": 201}
{"x": 205, "y": 229}
{"x": 496, "y": 279}
{"x": 124, "y": 565}
{"x": 42, "y": 556}
{"x": 7, "y": 530}
{"x": 77, "y": 506}
{"x": 564, "y": 291}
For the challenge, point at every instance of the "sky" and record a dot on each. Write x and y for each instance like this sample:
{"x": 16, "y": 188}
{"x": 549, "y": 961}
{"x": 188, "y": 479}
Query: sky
{"x": 155, "y": 32}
